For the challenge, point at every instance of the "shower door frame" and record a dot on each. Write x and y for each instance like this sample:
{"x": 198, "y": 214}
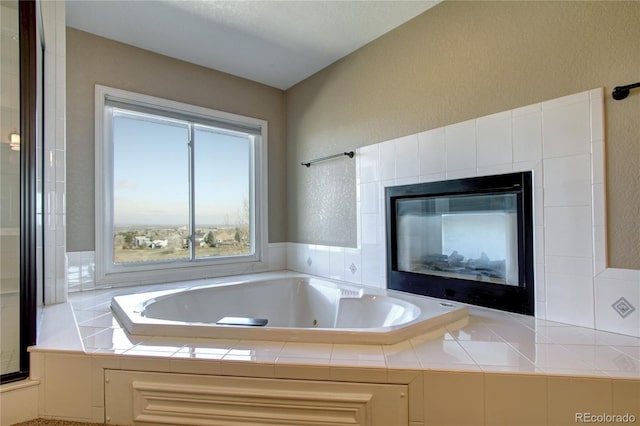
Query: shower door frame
{"x": 29, "y": 43}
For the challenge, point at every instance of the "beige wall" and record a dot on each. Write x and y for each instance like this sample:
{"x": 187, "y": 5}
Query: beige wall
{"x": 462, "y": 60}
{"x": 94, "y": 60}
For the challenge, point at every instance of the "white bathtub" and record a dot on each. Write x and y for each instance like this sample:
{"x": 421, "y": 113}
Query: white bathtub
{"x": 297, "y": 308}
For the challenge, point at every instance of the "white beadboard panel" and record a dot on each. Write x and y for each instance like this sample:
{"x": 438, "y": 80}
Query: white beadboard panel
{"x": 494, "y": 140}
{"x": 608, "y": 292}
{"x": 432, "y": 152}
{"x": 407, "y": 156}
{"x": 568, "y": 231}
{"x": 570, "y": 299}
{"x": 460, "y": 146}
{"x": 567, "y": 181}
{"x": 566, "y": 127}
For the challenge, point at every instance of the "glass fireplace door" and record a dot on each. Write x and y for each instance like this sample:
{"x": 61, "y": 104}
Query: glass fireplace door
{"x": 472, "y": 237}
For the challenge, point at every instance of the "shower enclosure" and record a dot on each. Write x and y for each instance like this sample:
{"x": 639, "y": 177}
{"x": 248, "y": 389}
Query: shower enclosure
{"x": 20, "y": 177}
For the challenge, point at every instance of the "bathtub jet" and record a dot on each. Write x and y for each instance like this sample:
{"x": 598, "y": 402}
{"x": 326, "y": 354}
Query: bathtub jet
{"x": 289, "y": 308}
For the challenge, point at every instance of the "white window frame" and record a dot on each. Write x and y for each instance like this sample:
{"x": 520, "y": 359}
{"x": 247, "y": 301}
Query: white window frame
{"x": 109, "y": 273}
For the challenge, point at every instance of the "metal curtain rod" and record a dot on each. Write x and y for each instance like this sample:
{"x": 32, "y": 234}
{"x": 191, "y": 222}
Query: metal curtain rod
{"x": 622, "y": 92}
{"x": 349, "y": 154}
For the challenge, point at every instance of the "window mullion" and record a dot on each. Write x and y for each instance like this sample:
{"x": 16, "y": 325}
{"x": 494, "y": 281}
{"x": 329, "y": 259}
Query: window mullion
{"x": 192, "y": 201}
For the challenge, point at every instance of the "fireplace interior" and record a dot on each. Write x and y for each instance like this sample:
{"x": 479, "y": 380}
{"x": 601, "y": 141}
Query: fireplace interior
{"x": 469, "y": 240}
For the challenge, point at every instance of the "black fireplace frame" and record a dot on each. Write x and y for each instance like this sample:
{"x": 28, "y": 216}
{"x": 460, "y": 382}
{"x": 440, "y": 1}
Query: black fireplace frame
{"x": 520, "y": 298}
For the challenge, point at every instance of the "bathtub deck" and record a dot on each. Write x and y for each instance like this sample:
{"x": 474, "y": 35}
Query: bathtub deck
{"x": 491, "y": 341}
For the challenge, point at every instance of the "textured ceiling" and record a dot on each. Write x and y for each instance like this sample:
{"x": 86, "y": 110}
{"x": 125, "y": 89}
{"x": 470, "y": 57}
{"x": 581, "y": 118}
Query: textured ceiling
{"x": 278, "y": 43}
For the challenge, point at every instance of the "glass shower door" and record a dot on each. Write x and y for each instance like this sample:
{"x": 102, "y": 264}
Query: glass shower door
{"x": 10, "y": 189}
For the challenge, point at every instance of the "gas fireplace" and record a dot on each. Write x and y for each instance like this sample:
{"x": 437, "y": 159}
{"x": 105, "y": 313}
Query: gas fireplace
{"x": 469, "y": 240}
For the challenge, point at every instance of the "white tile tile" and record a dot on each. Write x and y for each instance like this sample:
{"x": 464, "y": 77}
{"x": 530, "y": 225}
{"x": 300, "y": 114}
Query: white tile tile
{"x": 462, "y": 173}
{"x": 567, "y": 181}
{"x": 370, "y": 228}
{"x": 357, "y": 352}
{"x": 574, "y": 266}
{"x": 432, "y": 151}
{"x": 387, "y": 160}
{"x": 433, "y": 177}
{"x": 570, "y": 299}
{"x": 599, "y": 205}
{"x": 336, "y": 263}
{"x": 494, "y": 170}
{"x": 556, "y": 356}
{"x": 407, "y": 156}
{"x": 493, "y": 140}
{"x": 598, "y": 161}
{"x": 374, "y": 265}
{"x": 622, "y": 274}
{"x": 370, "y": 197}
{"x": 527, "y": 136}
{"x": 599, "y": 250}
{"x": 564, "y": 101}
{"x": 448, "y": 352}
{"x": 526, "y": 110}
{"x": 540, "y": 287}
{"x": 495, "y": 353}
{"x": 307, "y": 350}
{"x": 320, "y": 260}
{"x": 352, "y": 265}
{"x": 609, "y": 292}
{"x": 597, "y": 114}
{"x": 368, "y": 156}
{"x": 460, "y": 146}
{"x": 568, "y": 231}
{"x": 566, "y": 129}
{"x": 605, "y": 358}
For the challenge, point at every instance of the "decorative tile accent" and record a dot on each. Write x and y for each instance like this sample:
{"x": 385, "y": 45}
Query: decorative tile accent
{"x": 623, "y": 307}
{"x": 353, "y": 268}
{"x": 309, "y": 261}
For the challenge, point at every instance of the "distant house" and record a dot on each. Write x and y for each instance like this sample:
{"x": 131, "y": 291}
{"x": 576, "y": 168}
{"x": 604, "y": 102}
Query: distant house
{"x": 224, "y": 239}
{"x": 142, "y": 241}
{"x": 159, "y": 243}
{"x": 147, "y": 242}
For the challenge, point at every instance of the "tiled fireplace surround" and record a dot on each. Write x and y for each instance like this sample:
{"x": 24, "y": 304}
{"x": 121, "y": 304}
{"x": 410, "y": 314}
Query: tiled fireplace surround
{"x": 561, "y": 140}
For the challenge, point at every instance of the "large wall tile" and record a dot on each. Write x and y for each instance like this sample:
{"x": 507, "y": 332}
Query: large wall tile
{"x": 460, "y": 146}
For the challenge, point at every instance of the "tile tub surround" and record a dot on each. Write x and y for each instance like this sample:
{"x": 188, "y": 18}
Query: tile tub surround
{"x": 562, "y": 142}
{"x": 476, "y": 364}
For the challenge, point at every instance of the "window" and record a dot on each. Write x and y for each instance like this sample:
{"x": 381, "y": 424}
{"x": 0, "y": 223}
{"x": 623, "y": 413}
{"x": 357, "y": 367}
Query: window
{"x": 180, "y": 190}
